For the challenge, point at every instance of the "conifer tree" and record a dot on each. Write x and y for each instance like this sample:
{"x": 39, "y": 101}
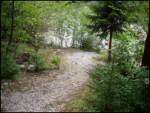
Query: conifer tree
{"x": 108, "y": 18}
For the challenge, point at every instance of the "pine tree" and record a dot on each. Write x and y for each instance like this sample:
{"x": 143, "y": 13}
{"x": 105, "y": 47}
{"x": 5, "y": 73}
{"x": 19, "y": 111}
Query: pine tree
{"x": 109, "y": 18}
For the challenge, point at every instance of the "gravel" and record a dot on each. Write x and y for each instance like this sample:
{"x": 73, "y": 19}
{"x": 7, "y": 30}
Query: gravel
{"x": 44, "y": 97}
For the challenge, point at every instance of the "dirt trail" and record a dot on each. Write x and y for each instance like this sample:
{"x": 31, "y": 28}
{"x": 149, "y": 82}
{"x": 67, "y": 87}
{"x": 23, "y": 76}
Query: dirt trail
{"x": 44, "y": 97}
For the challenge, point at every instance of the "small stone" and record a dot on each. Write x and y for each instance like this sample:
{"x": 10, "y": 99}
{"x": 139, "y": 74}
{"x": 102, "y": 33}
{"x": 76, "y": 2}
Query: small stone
{"x": 31, "y": 67}
{"x": 22, "y": 66}
{"x": 6, "y": 83}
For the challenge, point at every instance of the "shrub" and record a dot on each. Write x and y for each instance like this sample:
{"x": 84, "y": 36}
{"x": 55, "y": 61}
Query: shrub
{"x": 102, "y": 56}
{"x": 24, "y": 48}
{"x": 38, "y": 61}
{"x": 9, "y": 68}
{"x": 87, "y": 43}
{"x": 55, "y": 60}
{"x": 116, "y": 92}
{"x": 121, "y": 85}
{"x": 44, "y": 61}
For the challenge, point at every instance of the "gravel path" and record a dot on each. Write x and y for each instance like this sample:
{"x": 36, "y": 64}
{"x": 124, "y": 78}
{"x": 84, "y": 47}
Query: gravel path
{"x": 45, "y": 96}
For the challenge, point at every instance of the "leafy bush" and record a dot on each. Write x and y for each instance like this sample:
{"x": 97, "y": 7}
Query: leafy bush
{"x": 121, "y": 85}
{"x": 42, "y": 61}
{"x": 127, "y": 54}
{"x": 9, "y": 68}
{"x": 38, "y": 61}
{"x": 125, "y": 36}
{"x": 24, "y": 48}
{"x": 116, "y": 92}
{"x": 102, "y": 56}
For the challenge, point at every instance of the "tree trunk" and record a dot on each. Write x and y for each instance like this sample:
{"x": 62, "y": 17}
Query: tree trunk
{"x": 146, "y": 55}
{"x": 110, "y": 44}
{"x": 15, "y": 49}
{"x": 73, "y": 40}
{"x": 82, "y": 41}
{"x": 66, "y": 43}
{"x": 12, "y": 24}
{"x": 72, "y": 43}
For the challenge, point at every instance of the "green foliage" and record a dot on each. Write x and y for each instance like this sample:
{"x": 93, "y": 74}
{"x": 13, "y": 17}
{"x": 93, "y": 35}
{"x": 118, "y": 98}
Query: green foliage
{"x": 121, "y": 85}
{"x": 42, "y": 61}
{"x": 55, "y": 60}
{"x": 23, "y": 47}
{"x": 9, "y": 68}
{"x": 38, "y": 62}
{"x": 102, "y": 56}
{"x": 109, "y": 16}
{"x": 116, "y": 92}
{"x": 138, "y": 12}
{"x": 87, "y": 43}
{"x": 125, "y": 36}
{"x": 37, "y": 41}
{"x": 82, "y": 100}
{"x": 131, "y": 51}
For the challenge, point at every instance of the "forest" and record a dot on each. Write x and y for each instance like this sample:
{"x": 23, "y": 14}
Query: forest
{"x": 75, "y": 56}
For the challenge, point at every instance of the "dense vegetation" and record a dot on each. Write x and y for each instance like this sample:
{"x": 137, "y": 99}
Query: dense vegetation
{"x": 122, "y": 84}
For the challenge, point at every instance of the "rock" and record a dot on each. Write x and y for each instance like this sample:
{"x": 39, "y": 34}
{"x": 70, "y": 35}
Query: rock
{"x": 6, "y": 83}
{"x": 22, "y": 66}
{"x": 31, "y": 67}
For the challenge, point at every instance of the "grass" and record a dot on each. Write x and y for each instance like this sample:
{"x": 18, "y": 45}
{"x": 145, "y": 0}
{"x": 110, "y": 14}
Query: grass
{"x": 102, "y": 56}
{"x": 81, "y": 100}
{"x": 48, "y": 56}
{"x": 52, "y": 61}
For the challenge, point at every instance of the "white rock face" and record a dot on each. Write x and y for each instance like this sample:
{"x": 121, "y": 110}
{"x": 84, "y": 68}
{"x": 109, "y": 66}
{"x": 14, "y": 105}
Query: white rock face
{"x": 50, "y": 38}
